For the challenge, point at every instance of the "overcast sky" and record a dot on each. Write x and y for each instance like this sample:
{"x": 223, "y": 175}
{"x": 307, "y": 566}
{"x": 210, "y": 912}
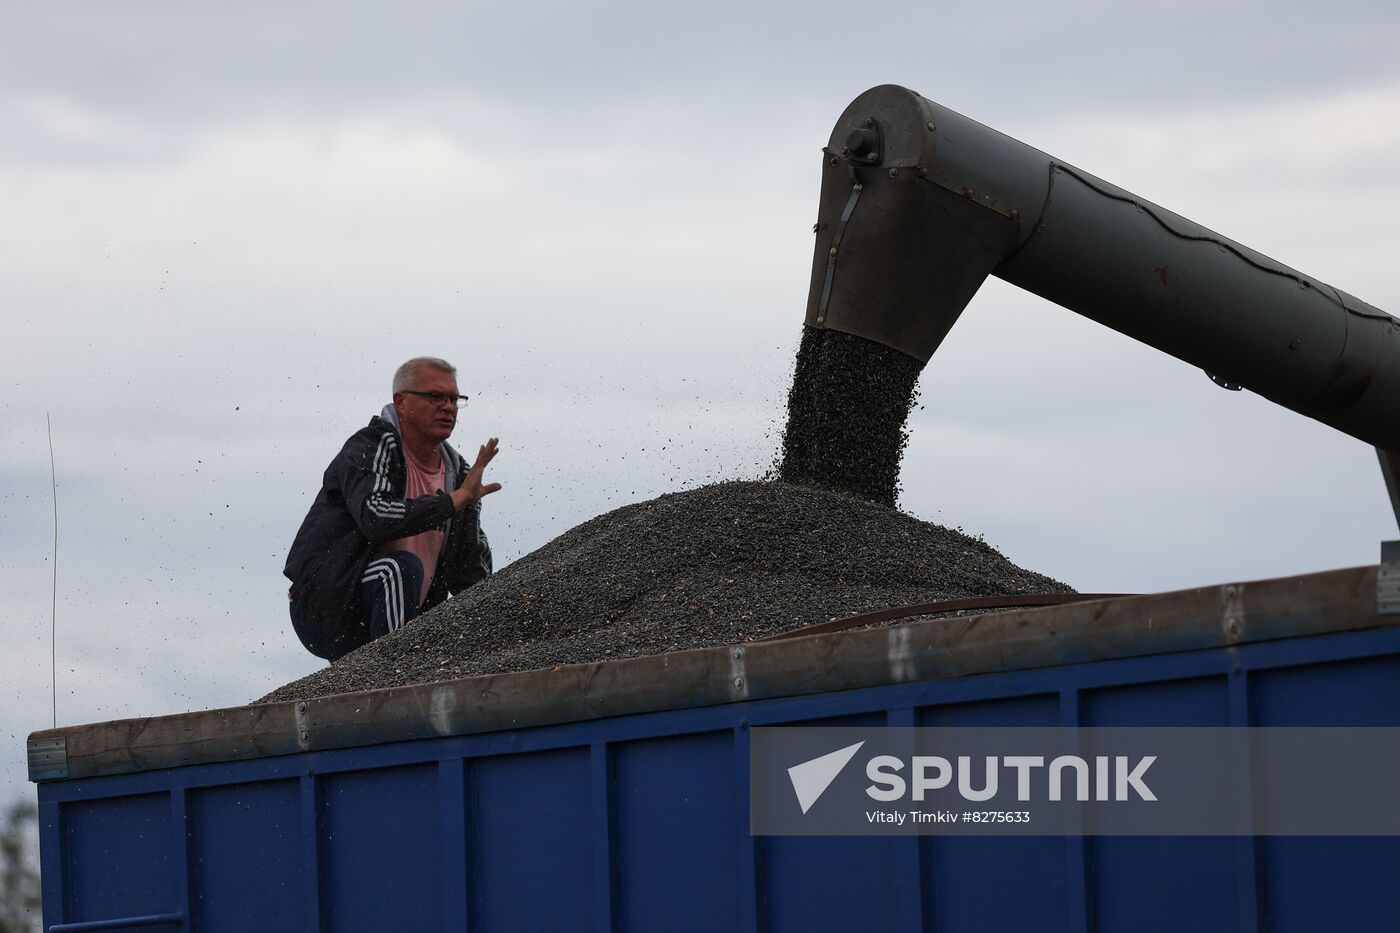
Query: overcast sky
{"x": 223, "y": 226}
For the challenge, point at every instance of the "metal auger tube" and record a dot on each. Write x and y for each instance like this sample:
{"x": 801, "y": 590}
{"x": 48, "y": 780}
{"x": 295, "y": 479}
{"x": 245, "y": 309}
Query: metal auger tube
{"x": 920, "y": 204}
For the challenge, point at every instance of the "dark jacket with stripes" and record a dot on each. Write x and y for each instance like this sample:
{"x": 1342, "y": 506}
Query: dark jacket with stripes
{"x": 360, "y": 507}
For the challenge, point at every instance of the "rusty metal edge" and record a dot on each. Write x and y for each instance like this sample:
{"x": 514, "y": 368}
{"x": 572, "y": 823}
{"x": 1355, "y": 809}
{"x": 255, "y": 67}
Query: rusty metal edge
{"x": 1201, "y": 618}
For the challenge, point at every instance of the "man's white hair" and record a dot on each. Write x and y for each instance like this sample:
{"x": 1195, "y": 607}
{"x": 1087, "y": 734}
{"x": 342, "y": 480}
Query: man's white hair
{"x": 405, "y": 374}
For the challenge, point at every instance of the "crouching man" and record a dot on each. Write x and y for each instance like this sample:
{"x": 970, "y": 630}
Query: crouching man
{"x": 396, "y": 526}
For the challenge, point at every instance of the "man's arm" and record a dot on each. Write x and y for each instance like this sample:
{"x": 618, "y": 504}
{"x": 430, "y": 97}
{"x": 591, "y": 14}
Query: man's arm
{"x": 370, "y": 499}
{"x": 470, "y": 558}
{"x": 470, "y": 561}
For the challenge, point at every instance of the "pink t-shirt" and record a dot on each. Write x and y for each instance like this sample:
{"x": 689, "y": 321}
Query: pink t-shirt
{"x": 426, "y": 545}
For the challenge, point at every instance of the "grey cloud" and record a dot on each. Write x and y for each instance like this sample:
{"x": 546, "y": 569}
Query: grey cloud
{"x": 208, "y": 62}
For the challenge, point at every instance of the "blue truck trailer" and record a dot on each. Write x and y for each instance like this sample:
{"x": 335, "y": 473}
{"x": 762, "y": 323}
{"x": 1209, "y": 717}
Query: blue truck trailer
{"x": 614, "y": 796}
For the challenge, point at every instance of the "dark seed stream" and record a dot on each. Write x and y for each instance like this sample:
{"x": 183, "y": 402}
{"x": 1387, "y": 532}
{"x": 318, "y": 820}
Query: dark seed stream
{"x": 846, "y": 412}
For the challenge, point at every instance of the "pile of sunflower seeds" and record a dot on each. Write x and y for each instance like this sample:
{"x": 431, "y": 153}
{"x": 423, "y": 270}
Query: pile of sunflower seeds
{"x": 717, "y": 565}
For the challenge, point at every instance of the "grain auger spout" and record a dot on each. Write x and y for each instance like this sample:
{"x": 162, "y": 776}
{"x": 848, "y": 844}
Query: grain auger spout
{"x": 920, "y": 204}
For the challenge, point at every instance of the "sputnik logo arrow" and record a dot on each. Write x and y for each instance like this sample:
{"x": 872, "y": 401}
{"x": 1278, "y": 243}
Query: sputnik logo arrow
{"x": 811, "y": 778}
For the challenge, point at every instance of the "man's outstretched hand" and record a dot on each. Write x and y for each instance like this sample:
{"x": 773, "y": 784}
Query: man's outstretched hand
{"x": 472, "y": 488}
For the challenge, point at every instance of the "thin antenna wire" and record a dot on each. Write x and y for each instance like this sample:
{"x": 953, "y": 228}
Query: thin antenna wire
{"x": 53, "y": 611}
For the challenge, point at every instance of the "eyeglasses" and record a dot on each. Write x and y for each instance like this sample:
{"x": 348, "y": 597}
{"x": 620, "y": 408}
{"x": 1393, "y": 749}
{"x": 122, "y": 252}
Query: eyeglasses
{"x": 437, "y": 398}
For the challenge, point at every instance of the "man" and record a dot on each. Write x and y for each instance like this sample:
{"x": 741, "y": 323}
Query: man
{"x": 396, "y": 526}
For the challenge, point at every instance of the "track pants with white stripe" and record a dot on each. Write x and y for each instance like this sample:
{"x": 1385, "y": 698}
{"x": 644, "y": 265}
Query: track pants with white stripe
{"x": 389, "y": 591}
